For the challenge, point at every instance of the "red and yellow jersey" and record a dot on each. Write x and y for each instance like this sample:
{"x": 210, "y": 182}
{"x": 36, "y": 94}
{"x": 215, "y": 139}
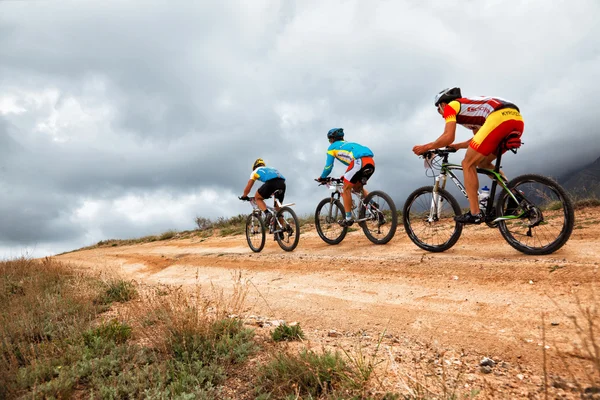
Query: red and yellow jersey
{"x": 473, "y": 111}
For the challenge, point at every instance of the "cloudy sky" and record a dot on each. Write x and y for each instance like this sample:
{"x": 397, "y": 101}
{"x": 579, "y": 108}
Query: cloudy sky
{"x": 121, "y": 119}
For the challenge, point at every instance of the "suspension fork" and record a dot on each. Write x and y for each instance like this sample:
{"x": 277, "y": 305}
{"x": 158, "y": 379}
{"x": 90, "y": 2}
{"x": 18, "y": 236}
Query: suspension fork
{"x": 436, "y": 199}
{"x": 334, "y": 196}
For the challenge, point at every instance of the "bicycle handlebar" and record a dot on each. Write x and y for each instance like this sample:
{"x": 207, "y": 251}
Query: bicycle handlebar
{"x": 438, "y": 152}
{"x": 245, "y": 198}
{"x": 329, "y": 180}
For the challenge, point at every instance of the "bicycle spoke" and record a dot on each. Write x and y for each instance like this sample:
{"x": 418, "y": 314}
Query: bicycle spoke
{"x": 430, "y": 223}
{"x": 380, "y": 219}
{"x": 327, "y": 215}
{"x": 287, "y": 232}
{"x": 255, "y": 233}
{"x": 546, "y": 219}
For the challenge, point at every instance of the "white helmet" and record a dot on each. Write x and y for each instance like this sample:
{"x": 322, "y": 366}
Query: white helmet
{"x": 447, "y": 95}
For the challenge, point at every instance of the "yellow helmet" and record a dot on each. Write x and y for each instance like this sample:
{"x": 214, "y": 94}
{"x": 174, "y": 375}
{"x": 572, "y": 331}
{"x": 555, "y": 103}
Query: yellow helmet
{"x": 258, "y": 163}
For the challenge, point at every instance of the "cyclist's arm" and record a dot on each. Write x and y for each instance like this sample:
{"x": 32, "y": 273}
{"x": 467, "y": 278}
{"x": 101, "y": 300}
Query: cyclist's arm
{"x": 328, "y": 165}
{"x": 446, "y": 138}
{"x": 461, "y": 145}
{"x": 248, "y": 187}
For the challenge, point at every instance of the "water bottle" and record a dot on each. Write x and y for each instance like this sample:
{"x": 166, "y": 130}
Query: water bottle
{"x": 483, "y": 196}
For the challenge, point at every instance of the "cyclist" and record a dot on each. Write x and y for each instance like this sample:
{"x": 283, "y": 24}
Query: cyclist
{"x": 273, "y": 180}
{"x": 361, "y": 166}
{"x": 491, "y": 119}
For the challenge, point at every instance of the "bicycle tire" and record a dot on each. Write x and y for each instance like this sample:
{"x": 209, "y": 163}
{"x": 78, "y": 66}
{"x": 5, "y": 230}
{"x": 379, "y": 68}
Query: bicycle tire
{"x": 552, "y": 204}
{"x": 288, "y": 240}
{"x": 372, "y": 227}
{"x": 256, "y": 240}
{"x": 416, "y": 208}
{"x": 327, "y": 223}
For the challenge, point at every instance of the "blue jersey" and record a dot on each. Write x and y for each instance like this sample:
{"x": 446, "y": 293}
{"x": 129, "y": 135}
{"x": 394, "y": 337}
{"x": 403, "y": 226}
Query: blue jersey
{"x": 345, "y": 152}
{"x": 264, "y": 174}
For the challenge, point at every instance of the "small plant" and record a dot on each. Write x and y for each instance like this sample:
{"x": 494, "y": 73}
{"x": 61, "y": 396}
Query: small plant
{"x": 555, "y": 268}
{"x": 586, "y": 327}
{"x": 170, "y": 234}
{"x": 117, "y": 291}
{"x": 585, "y": 203}
{"x": 307, "y": 374}
{"x": 287, "y": 333}
{"x": 113, "y": 331}
{"x": 203, "y": 223}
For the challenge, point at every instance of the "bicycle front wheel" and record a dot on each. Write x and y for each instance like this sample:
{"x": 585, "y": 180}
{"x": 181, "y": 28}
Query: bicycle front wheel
{"x": 543, "y": 220}
{"x": 381, "y": 217}
{"x": 327, "y": 215}
{"x": 287, "y": 233}
{"x": 429, "y": 219}
{"x": 255, "y": 232}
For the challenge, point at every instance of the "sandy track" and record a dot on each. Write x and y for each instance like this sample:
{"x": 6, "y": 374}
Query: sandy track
{"x": 481, "y": 296}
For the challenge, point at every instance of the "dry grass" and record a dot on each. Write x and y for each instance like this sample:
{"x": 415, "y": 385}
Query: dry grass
{"x": 582, "y": 359}
{"x": 64, "y": 334}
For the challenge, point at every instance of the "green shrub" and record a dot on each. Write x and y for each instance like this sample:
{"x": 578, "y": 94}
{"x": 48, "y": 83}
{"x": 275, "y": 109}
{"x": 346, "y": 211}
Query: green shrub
{"x": 113, "y": 331}
{"x": 119, "y": 291}
{"x": 585, "y": 203}
{"x": 170, "y": 234}
{"x": 225, "y": 341}
{"x": 285, "y": 332}
{"x": 308, "y": 374}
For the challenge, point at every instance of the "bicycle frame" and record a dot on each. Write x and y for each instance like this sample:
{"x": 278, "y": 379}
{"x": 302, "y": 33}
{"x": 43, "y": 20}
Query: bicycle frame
{"x": 494, "y": 174}
{"x": 276, "y": 205}
{"x": 337, "y": 187}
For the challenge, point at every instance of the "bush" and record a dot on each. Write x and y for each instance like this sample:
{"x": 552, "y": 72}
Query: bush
{"x": 203, "y": 223}
{"x": 285, "y": 332}
{"x": 117, "y": 291}
{"x": 170, "y": 234}
{"x": 113, "y": 331}
{"x": 308, "y": 374}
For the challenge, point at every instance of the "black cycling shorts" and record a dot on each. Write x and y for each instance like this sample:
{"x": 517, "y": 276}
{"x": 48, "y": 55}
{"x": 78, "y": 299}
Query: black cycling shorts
{"x": 270, "y": 186}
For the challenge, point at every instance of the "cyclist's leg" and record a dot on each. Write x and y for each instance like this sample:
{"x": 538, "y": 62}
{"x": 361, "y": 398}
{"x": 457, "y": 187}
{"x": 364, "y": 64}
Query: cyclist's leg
{"x": 360, "y": 178}
{"x": 498, "y": 125}
{"x": 260, "y": 200}
{"x": 280, "y": 195}
{"x": 349, "y": 184}
{"x": 488, "y": 163}
{"x": 469, "y": 164}
{"x": 264, "y": 192}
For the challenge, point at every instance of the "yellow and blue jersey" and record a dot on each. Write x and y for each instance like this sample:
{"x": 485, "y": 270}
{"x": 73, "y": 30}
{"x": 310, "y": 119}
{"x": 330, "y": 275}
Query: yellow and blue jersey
{"x": 264, "y": 174}
{"x": 345, "y": 152}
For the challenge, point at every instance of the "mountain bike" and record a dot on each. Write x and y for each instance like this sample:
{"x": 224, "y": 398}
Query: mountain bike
{"x": 533, "y": 213}
{"x": 375, "y": 214}
{"x": 282, "y": 223}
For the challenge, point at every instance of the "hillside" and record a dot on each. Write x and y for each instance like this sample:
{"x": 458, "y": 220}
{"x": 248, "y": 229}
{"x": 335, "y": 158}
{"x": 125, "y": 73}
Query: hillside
{"x": 479, "y": 299}
{"x": 584, "y": 182}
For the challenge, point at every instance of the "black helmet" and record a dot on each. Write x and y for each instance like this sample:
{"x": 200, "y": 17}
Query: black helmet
{"x": 258, "y": 163}
{"x": 447, "y": 95}
{"x": 335, "y": 134}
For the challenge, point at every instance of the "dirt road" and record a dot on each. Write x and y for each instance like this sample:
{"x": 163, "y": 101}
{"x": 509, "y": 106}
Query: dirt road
{"x": 481, "y": 297}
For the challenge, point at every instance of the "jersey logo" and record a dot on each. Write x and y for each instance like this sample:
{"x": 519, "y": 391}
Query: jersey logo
{"x": 471, "y": 109}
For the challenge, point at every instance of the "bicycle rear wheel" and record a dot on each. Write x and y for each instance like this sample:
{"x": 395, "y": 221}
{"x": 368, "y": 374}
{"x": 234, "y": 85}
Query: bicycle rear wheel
{"x": 255, "y": 232}
{"x": 287, "y": 232}
{"x": 382, "y": 218}
{"x": 547, "y": 216}
{"x": 430, "y": 224}
{"x": 327, "y": 215}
